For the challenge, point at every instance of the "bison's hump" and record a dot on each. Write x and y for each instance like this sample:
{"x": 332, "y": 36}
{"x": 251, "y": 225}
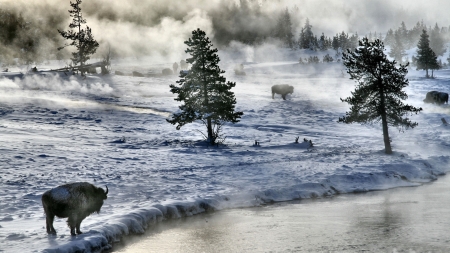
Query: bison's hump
{"x": 60, "y": 193}
{"x": 64, "y": 192}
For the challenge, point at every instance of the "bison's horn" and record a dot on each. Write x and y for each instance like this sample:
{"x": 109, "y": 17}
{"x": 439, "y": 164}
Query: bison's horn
{"x": 106, "y": 193}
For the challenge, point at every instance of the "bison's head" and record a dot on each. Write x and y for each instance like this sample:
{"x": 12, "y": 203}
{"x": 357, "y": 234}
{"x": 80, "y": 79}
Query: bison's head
{"x": 104, "y": 193}
{"x": 100, "y": 196}
{"x": 291, "y": 89}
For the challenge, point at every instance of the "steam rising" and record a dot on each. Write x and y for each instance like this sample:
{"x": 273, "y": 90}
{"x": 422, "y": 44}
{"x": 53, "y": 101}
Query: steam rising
{"x": 159, "y": 28}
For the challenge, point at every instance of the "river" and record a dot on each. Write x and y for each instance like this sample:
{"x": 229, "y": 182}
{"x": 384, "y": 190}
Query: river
{"x": 414, "y": 219}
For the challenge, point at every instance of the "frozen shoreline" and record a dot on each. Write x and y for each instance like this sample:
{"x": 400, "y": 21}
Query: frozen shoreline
{"x": 103, "y": 237}
{"x": 396, "y": 220}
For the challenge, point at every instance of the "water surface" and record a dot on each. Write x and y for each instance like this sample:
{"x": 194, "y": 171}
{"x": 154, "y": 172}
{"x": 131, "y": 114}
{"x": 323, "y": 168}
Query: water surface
{"x": 399, "y": 220}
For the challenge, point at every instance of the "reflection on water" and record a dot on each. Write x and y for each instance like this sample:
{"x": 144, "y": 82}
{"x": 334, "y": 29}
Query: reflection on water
{"x": 399, "y": 220}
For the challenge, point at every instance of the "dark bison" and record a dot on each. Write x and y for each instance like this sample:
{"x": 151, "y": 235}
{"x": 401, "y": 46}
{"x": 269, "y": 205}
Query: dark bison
{"x": 75, "y": 201}
{"x": 436, "y": 97}
{"x": 282, "y": 89}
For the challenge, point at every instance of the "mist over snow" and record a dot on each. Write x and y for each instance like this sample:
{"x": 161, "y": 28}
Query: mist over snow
{"x": 111, "y": 130}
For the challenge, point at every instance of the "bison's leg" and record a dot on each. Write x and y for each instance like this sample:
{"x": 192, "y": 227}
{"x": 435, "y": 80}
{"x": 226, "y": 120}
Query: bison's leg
{"x": 78, "y": 228}
{"x": 72, "y": 222}
{"x": 49, "y": 217}
{"x": 80, "y": 219}
{"x": 273, "y": 94}
{"x": 284, "y": 96}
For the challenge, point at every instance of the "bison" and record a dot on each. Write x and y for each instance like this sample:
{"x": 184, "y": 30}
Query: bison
{"x": 282, "y": 89}
{"x": 436, "y": 97}
{"x": 175, "y": 67}
{"x": 184, "y": 65}
{"x": 75, "y": 201}
{"x": 167, "y": 72}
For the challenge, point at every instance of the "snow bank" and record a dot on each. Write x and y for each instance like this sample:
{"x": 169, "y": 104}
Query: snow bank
{"x": 410, "y": 173}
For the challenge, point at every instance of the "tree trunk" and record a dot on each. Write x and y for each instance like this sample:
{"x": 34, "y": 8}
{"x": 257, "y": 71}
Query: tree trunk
{"x": 206, "y": 103}
{"x": 210, "y": 132}
{"x": 387, "y": 142}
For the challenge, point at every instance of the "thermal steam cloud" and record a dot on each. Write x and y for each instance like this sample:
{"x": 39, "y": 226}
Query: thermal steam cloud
{"x": 164, "y": 40}
{"x": 159, "y": 28}
{"x": 53, "y": 82}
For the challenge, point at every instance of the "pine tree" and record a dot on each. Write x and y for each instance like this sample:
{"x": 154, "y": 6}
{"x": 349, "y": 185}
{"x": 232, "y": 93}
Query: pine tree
{"x": 353, "y": 41}
{"x": 389, "y": 40}
{"x": 283, "y": 30}
{"x": 335, "y": 43}
{"x": 397, "y": 50}
{"x": 344, "y": 41}
{"x": 379, "y": 91}
{"x": 306, "y": 40}
{"x": 288, "y": 36}
{"x": 426, "y": 58}
{"x": 206, "y": 95}
{"x": 82, "y": 39}
{"x": 437, "y": 43}
{"x": 322, "y": 44}
{"x": 403, "y": 33}
{"x": 414, "y": 34}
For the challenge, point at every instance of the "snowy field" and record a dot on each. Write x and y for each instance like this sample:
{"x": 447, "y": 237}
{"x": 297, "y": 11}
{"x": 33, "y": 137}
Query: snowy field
{"x": 111, "y": 130}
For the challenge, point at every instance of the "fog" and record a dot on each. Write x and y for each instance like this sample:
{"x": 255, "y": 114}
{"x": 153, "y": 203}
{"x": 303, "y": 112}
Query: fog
{"x": 159, "y": 28}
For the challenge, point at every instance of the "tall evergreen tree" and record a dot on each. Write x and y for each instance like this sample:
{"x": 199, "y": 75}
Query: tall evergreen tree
{"x": 81, "y": 38}
{"x": 306, "y": 40}
{"x": 283, "y": 30}
{"x": 389, "y": 40}
{"x": 426, "y": 58}
{"x": 344, "y": 41}
{"x": 397, "y": 50}
{"x": 353, "y": 41}
{"x": 289, "y": 37}
{"x": 323, "y": 43}
{"x": 335, "y": 43}
{"x": 437, "y": 43}
{"x": 206, "y": 95}
{"x": 403, "y": 33}
{"x": 414, "y": 34}
{"x": 379, "y": 93}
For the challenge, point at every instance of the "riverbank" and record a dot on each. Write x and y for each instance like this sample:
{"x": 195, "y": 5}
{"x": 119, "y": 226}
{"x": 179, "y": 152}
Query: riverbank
{"x": 412, "y": 219}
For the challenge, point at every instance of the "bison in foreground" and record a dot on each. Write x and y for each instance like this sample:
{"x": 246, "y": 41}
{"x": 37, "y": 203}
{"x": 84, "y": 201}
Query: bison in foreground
{"x": 75, "y": 201}
{"x": 436, "y": 97}
{"x": 282, "y": 89}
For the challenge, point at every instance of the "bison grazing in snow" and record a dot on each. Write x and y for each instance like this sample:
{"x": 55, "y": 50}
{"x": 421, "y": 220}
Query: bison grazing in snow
{"x": 282, "y": 89}
{"x": 75, "y": 201}
{"x": 436, "y": 97}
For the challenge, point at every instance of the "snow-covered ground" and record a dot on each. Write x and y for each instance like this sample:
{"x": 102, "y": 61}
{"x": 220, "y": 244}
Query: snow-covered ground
{"x": 111, "y": 130}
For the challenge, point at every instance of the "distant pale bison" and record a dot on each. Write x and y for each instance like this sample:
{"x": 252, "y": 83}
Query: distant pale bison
{"x": 436, "y": 97}
{"x": 239, "y": 70}
{"x": 138, "y": 74}
{"x": 184, "y": 65}
{"x": 167, "y": 72}
{"x": 282, "y": 89}
{"x": 175, "y": 67}
{"x": 75, "y": 201}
